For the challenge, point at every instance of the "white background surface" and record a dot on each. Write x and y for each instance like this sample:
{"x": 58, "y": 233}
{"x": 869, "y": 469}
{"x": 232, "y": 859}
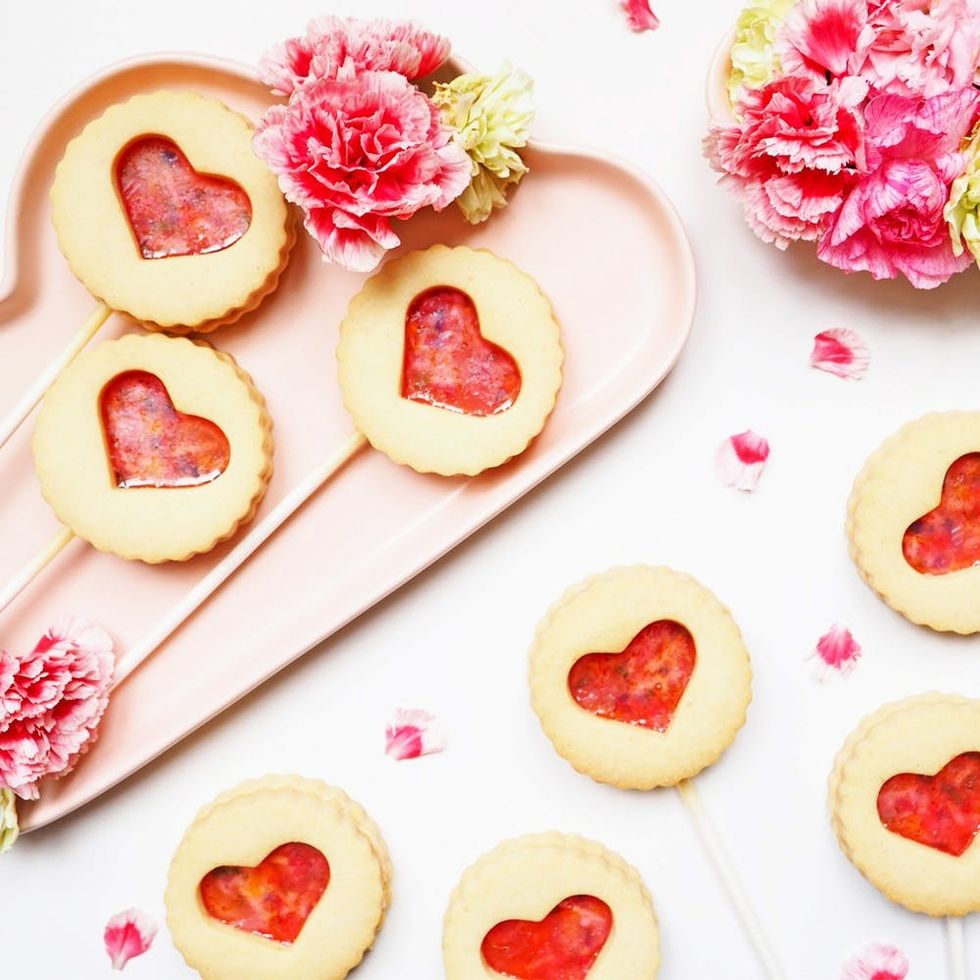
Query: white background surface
{"x": 455, "y": 641}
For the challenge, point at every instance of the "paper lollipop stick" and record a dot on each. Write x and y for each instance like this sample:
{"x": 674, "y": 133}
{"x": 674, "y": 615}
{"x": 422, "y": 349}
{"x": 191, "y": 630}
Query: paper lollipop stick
{"x": 729, "y": 878}
{"x": 956, "y": 948}
{"x": 47, "y": 377}
{"x": 35, "y": 566}
{"x": 237, "y": 557}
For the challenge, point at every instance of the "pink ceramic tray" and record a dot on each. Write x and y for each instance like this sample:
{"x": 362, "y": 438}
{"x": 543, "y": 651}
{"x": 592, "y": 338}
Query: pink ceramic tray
{"x": 600, "y": 238}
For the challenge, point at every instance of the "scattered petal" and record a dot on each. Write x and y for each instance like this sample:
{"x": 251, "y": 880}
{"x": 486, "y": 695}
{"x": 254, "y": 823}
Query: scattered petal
{"x": 841, "y": 352}
{"x": 878, "y": 961}
{"x": 9, "y": 827}
{"x": 51, "y": 703}
{"x": 741, "y": 460}
{"x": 639, "y": 16}
{"x": 836, "y": 652}
{"x": 128, "y": 934}
{"x": 413, "y": 732}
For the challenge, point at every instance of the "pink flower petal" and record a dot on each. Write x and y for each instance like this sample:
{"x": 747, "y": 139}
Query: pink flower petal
{"x": 840, "y": 352}
{"x": 413, "y": 732}
{"x": 878, "y": 961}
{"x": 741, "y": 460}
{"x": 639, "y": 16}
{"x": 836, "y": 652}
{"x": 128, "y": 934}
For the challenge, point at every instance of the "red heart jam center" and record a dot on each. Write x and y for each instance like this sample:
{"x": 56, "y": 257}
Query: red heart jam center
{"x": 941, "y": 811}
{"x": 150, "y": 443}
{"x": 174, "y": 210}
{"x": 273, "y": 899}
{"x": 642, "y": 685}
{"x": 947, "y": 539}
{"x": 562, "y": 946}
{"x": 448, "y": 363}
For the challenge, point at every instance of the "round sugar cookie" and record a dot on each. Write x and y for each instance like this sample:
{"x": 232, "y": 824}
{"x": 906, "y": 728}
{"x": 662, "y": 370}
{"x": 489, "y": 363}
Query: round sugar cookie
{"x": 450, "y": 360}
{"x": 153, "y": 447}
{"x": 639, "y": 677}
{"x": 164, "y": 212}
{"x": 278, "y": 877}
{"x": 554, "y": 899}
{"x": 914, "y": 521}
{"x": 904, "y": 798}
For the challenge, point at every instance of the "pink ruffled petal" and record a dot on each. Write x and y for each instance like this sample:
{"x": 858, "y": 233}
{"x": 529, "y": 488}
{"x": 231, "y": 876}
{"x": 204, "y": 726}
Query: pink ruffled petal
{"x": 639, "y": 16}
{"x": 128, "y": 934}
{"x": 836, "y": 652}
{"x": 841, "y": 352}
{"x": 878, "y": 961}
{"x": 413, "y": 732}
{"x": 741, "y": 460}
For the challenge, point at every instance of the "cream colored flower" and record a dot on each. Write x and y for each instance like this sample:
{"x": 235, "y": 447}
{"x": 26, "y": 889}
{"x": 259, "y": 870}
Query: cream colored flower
{"x": 754, "y": 58}
{"x": 9, "y": 828}
{"x": 491, "y": 116}
{"x": 963, "y": 208}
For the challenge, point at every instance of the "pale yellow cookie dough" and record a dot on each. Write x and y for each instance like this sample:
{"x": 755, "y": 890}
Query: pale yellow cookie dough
{"x": 917, "y": 735}
{"x": 185, "y": 292}
{"x": 240, "y": 828}
{"x": 514, "y": 314}
{"x": 602, "y": 615}
{"x": 526, "y": 878}
{"x": 901, "y": 482}
{"x": 148, "y": 523}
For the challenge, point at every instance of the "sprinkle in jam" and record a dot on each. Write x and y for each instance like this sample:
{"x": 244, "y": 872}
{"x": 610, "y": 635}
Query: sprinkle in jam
{"x": 562, "y": 946}
{"x": 273, "y": 899}
{"x": 150, "y": 443}
{"x": 174, "y": 210}
{"x": 947, "y": 539}
{"x": 941, "y": 811}
{"x": 642, "y": 685}
{"x": 448, "y": 363}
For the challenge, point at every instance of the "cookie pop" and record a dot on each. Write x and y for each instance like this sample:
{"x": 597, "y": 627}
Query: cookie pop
{"x": 165, "y": 214}
{"x": 640, "y": 679}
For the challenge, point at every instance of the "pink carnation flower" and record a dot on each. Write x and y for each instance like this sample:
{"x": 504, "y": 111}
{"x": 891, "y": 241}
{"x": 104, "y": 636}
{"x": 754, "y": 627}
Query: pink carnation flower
{"x": 824, "y": 39}
{"x": 793, "y": 156}
{"x": 892, "y": 221}
{"x": 336, "y": 45}
{"x": 357, "y": 151}
{"x": 922, "y": 47}
{"x": 51, "y": 702}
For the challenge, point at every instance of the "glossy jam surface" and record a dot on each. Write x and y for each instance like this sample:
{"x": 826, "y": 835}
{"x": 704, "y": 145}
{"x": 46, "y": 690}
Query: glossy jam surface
{"x": 150, "y": 443}
{"x": 644, "y": 683}
{"x": 941, "y": 811}
{"x": 562, "y": 946}
{"x": 174, "y": 210}
{"x": 273, "y": 899}
{"x": 448, "y": 363}
{"x": 947, "y": 539}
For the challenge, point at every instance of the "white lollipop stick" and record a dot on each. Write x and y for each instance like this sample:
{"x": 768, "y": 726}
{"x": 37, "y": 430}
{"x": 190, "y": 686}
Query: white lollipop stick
{"x": 956, "y": 948}
{"x": 729, "y": 878}
{"x": 37, "y": 391}
{"x": 34, "y": 567}
{"x": 237, "y": 557}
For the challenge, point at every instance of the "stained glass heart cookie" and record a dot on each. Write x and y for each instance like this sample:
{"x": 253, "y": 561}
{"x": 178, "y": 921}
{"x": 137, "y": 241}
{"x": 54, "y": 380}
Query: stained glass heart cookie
{"x": 153, "y": 447}
{"x": 450, "y": 360}
{"x": 164, "y": 212}
{"x": 640, "y": 677}
{"x": 905, "y": 802}
{"x": 278, "y": 877}
{"x": 914, "y": 521}
{"x": 551, "y": 907}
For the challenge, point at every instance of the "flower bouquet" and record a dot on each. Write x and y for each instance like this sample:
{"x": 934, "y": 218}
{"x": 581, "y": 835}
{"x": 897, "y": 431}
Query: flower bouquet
{"x": 358, "y": 143}
{"x": 855, "y": 126}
